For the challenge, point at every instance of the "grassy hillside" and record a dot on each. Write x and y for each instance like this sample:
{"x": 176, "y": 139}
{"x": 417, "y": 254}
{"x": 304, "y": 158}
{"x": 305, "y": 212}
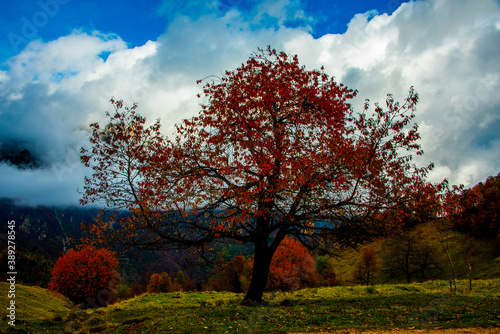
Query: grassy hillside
{"x": 35, "y": 308}
{"x": 485, "y": 259}
{"x": 417, "y": 305}
{"x": 425, "y": 305}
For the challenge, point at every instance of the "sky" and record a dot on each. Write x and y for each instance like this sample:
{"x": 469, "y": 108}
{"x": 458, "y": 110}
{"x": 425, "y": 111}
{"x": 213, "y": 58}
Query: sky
{"x": 62, "y": 60}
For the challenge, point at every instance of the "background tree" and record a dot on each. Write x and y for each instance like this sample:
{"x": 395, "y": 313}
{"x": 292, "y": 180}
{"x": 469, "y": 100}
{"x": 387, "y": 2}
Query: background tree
{"x": 409, "y": 256}
{"x": 86, "y": 275}
{"x": 325, "y": 271}
{"x": 446, "y": 243}
{"x": 160, "y": 283}
{"x": 478, "y": 211}
{"x": 292, "y": 267}
{"x": 234, "y": 276}
{"x": 328, "y": 276}
{"x": 34, "y": 262}
{"x": 181, "y": 283}
{"x": 226, "y": 279}
{"x": 276, "y": 151}
{"x": 366, "y": 267}
{"x": 470, "y": 250}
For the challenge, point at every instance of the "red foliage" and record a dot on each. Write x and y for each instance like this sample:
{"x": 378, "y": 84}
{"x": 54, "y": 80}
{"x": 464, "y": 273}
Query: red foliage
{"x": 478, "y": 209}
{"x": 275, "y": 150}
{"x": 86, "y": 275}
{"x": 160, "y": 283}
{"x": 292, "y": 267}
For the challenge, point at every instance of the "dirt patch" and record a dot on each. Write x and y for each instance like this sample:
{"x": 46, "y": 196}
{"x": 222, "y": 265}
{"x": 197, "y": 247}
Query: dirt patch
{"x": 416, "y": 331}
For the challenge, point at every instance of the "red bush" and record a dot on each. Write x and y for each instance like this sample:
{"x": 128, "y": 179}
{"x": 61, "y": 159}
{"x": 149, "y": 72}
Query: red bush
{"x": 292, "y": 267}
{"x": 86, "y": 275}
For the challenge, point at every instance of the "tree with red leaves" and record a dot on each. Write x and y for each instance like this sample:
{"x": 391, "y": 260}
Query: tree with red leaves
{"x": 292, "y": 267}
{"x": 87, "y": 275}
{"x": 366, "y": 267}
{"x": 478, "y": 209}
{"x": 275, "y": 151}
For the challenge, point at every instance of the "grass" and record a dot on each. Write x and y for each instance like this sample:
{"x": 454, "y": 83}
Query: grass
{"x": 34, "y": 305}
{"x": 485, "y": 260}
{"x": 424, "y": 305}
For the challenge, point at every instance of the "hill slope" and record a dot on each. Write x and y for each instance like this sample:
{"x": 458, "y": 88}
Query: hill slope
{"x": 426, "y": 305}
{"x": 485, "y": 258}
{"x": 36, "y": 308}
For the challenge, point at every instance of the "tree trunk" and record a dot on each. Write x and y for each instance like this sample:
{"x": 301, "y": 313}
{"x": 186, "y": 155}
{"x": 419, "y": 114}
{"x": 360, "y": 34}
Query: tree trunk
{"x": 470, "y": 274}
{"x": 261, "y": 266}
{"x": 407, "y": 266}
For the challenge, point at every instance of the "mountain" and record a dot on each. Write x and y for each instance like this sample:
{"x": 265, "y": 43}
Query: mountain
{"x": 43, "y": 233}
{"x": 41, "y": 237}
{"x": 18, "y": 156}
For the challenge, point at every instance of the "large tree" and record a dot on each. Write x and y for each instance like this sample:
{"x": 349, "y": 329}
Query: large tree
{"x": 275, "y": 151}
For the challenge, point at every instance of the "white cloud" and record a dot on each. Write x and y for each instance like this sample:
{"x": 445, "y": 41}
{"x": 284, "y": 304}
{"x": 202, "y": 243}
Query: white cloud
{"x": 278, "y": 12}
{"x": 63, "y": 63}
{"x": 3, "y": 76}
{"x": 439, "y": 173}
{"x": 469, "y": 171}
{"x": 449, "y": 50}
{"x": 55, "y": 185}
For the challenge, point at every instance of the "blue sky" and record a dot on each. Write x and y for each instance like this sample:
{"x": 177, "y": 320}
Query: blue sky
{"x": 136, "y": 22}
{"x": 62, "y": 60}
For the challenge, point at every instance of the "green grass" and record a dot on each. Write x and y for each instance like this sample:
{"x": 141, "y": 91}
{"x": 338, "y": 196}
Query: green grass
{"x": 485, "y": 260}
{"x": 424, "y": 305}
{"x": 34, "y": 305}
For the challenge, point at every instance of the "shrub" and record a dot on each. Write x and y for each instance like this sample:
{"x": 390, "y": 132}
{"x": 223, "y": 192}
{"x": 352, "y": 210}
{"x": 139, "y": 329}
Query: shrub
{"x": 86, "y": 275}
{"x": 292, "y": 267}
{"x": 234, "y": 276}
{"x": 160, "y": 283}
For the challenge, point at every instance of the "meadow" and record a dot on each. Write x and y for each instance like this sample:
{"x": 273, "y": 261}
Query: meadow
{"x": 401, "y": 306}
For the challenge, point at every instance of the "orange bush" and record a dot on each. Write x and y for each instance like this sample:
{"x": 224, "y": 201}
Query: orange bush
{"x": 292, "y": 267}
{"x": 160, "y": 283}
{"x": 86, "y": 275}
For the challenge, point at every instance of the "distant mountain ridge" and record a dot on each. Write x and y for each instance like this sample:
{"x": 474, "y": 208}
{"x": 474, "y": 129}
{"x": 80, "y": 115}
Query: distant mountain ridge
{"x": 50, "y": 227}
{"x": 41, "y": 237}
{"x": 18, "y": 156}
